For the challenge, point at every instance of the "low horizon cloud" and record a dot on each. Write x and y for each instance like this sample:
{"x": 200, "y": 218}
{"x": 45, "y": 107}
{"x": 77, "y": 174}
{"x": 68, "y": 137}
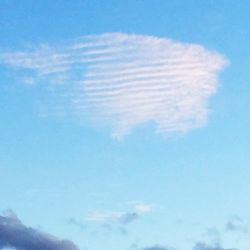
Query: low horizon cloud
{"x": 198, "y": 246}
{"x": 15, "y": 235}
{"x": 205, "y": 246}
{"x": 125, "y": 80}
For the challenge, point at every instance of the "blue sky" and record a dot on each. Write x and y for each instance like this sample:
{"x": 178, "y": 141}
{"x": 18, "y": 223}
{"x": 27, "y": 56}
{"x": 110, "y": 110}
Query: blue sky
{"x": 125, "y": 124}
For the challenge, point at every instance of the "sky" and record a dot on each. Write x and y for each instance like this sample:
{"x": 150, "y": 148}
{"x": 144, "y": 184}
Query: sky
{"x": 124, "y": 125}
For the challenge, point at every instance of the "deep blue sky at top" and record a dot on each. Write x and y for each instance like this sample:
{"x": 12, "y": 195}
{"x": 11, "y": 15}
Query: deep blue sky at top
{"x": 218, "y": 25}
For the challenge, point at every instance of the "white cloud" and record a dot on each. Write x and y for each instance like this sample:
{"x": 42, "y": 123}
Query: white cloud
{"x": 142, "y": 208}
{"x": 139, "y": 208}
{"x": 126, "y": 80}
{"x": 103, "y": 217}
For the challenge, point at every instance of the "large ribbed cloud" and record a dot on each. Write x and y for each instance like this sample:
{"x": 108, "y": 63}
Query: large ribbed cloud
{"x": 126, "y": 80}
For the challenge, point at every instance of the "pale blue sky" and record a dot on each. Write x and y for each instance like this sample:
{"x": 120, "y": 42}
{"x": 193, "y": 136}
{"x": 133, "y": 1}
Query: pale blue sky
{"x": 60, "y": 170}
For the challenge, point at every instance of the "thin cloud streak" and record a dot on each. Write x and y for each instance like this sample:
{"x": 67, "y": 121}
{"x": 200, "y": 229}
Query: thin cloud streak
{"x": 126, "y": 80}
{"x": 139, "y": 209}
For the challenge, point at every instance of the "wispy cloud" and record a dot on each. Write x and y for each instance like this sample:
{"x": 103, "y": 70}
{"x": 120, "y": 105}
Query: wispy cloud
{"x": 14, "y": 234}
{"x": 126, "y": 79}
{"x": 111, "y": 221}
{"x": 114, "y": 217}
{"x": 120, "y": 217}
{"x": 237, "y": 224}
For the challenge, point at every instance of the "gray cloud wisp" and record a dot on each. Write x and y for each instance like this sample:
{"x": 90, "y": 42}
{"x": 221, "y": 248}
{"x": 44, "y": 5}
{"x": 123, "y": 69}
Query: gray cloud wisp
{"x": 236, "y": 224}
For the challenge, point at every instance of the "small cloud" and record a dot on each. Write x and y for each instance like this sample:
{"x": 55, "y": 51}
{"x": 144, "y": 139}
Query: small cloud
{"x": 117, "y": 217}
{"x": 236, "y": 224}
{"x": 118, "y": 221}
{"x": 120, "y": 217}
{"x": 103, "y": 217}
{"x": 142, "y": 208}
{"x": 128, "y": 217}
{"x": 15, "y": 235}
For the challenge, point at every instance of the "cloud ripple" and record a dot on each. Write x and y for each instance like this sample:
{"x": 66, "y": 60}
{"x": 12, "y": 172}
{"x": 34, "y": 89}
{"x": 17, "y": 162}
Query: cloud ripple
{"x": 126, "y": 80}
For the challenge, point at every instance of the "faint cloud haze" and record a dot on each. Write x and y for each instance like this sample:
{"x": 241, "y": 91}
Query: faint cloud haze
{"x": 124, "y": 80}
